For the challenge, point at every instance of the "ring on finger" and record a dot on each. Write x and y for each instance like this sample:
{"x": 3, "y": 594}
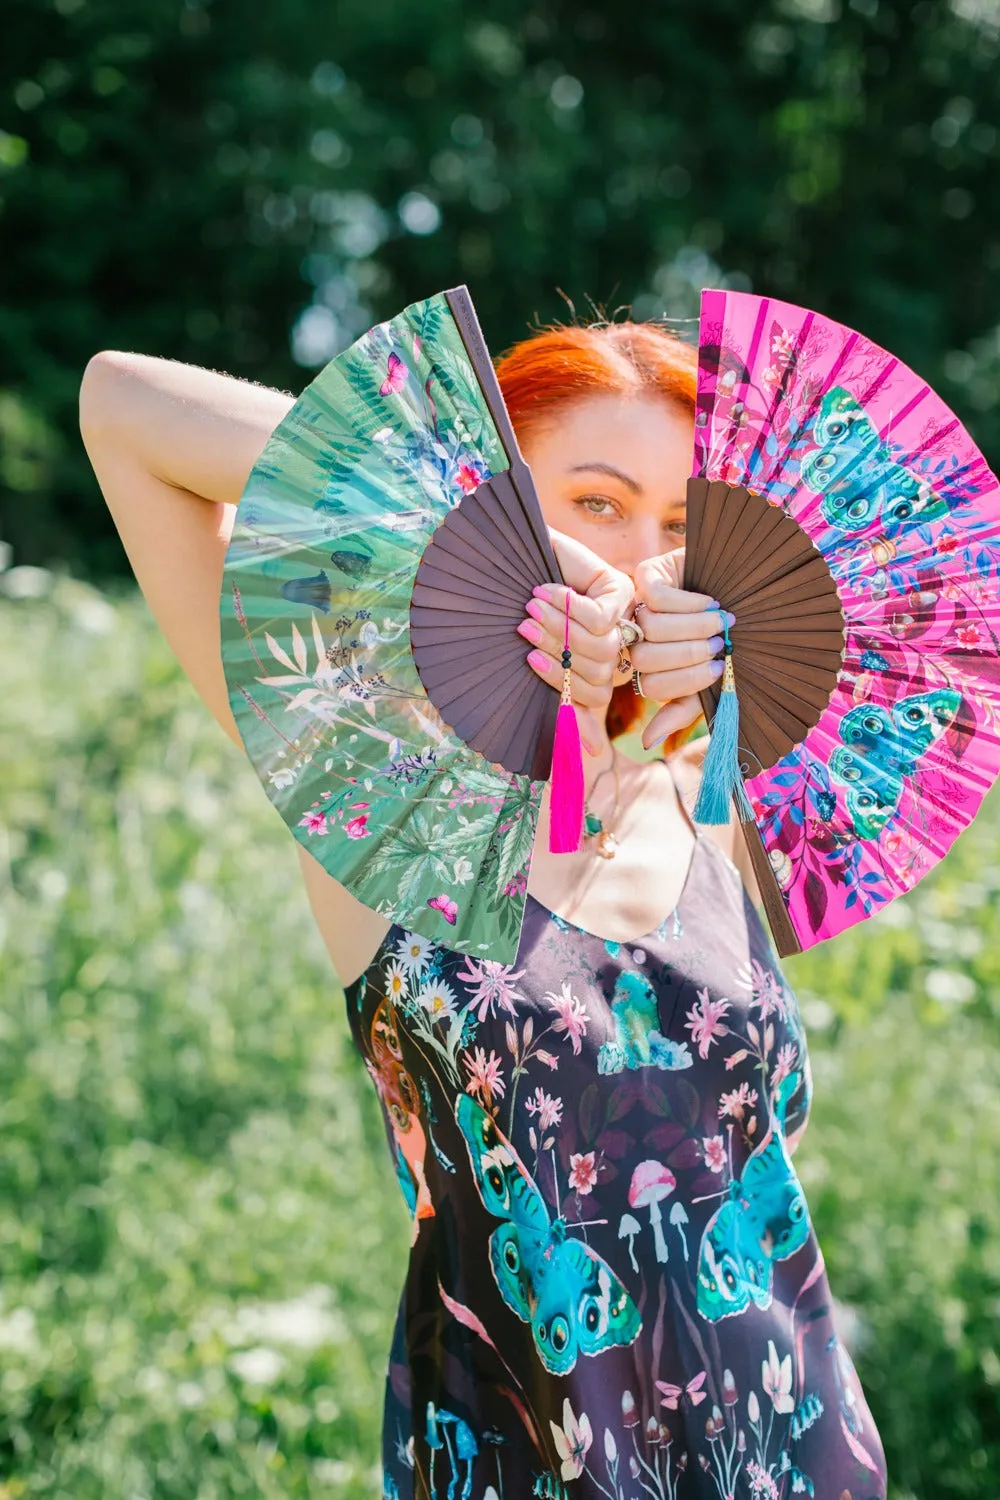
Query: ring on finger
{"x": 629, "y": 632}
{"x": 624, "y": 660}
{"x": 637, "y": 683}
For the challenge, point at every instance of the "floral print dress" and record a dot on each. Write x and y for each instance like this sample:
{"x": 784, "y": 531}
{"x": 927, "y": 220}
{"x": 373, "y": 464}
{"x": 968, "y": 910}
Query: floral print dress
{"x": 614, "y": 1288}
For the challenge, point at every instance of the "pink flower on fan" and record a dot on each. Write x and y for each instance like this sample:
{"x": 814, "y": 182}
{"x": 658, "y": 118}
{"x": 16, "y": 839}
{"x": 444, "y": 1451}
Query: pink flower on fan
{"x": 315, "y": 822}
{"x": 469, "y": 478}
{"x": 494, "y": 985}
{"x": 968, "y": 635}
{"x": 357, "y": 828}
{"x": 446, "y": 906}
{"x": 571, "y": 1016}
{"x": 704, "y": 1021}
{"x": 948, "y": 541}
{"x": 582, "y": 1171}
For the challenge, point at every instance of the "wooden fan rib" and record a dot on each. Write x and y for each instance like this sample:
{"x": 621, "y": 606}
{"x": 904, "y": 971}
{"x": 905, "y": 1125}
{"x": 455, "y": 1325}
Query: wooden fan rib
{"x": 826, "y": 640}
{"x": 791, "y": 675}
{"x": 697, "y": 490}
{"x": 460, "y": 672}
{"x": 486, "y": 516}
{"x": 444, "y": 599}
{"x": 459, "y": 650}
{"x": 469, "y": 712}
{"x": 526, "y": 727}
{"x": 729, "y": 569}
{"x": 502, "y": 505}
{"x": 469, "y": 584}
{"x": 462, "y": 540}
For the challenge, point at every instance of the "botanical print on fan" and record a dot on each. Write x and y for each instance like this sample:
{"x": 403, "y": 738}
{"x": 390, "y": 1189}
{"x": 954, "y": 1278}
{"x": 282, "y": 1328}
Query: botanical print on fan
{"x": 384, "y": 442}
{"x": 892, "y": 491}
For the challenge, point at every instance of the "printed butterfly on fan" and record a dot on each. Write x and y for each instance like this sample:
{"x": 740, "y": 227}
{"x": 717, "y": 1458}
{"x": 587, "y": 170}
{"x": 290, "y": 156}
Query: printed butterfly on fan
{"x": 860, "y": 480}
{"x": 572, "y": 1299}
{"x": 881, "y": 747}
{"x": 763, "y": 1219}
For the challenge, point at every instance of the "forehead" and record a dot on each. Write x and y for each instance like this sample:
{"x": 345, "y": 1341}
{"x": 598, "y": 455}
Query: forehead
{"x": 645, "y": 436}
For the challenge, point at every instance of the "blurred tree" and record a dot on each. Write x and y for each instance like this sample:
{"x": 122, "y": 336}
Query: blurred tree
{"x": 250, "y": 186}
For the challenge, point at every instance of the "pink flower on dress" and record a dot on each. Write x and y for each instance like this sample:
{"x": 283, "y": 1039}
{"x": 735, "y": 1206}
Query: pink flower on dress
{"x": 570, "y": 1015}
{"x": 315, "y": 822}
{"x": 548, "y": 1058}
{"x": 582, "y": 1171}
{"x": 787, "y": 1056}
{"x": 738, "y": 1102}
{"x": 768, "y": 994}
{"x": 494, "y": 985}
{"x": 485, "y": 1079}
{"x": 715, "y": 1152}
{"x": 548, "y": 1109}
{"x": 704, "y": 1021}
{"x": 572, "y": 1439}
{"x": 762, "y": 1486}
{"x": 776, "y": 1376}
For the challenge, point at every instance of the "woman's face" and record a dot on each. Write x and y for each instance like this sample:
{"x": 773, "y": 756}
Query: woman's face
{"x": 611, "y": 471}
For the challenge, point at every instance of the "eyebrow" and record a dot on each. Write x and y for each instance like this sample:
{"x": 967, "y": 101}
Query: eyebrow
{"x": 612, "y": 473}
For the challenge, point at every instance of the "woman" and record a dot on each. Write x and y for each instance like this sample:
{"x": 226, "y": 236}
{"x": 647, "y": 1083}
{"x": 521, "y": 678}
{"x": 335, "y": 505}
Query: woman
{"x": 614, "y": 1287}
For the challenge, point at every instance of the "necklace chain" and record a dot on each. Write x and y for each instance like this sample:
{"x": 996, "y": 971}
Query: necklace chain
{"x": 595, "y": 827}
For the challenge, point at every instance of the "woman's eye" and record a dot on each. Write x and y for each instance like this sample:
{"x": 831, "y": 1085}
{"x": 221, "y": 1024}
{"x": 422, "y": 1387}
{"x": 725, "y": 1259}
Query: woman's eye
{"x": 678, "y": 528}
{"x": 593, "y": 504}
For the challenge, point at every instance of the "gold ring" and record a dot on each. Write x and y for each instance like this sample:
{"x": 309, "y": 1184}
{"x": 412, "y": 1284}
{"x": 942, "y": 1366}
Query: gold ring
{"x": 624, "y": 661}
{"x": 637, "y": 684}
{"x": 630, "y": 631}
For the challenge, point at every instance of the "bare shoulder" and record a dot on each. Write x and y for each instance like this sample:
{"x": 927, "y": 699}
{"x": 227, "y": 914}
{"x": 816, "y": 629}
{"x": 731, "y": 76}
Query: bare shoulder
{"x": 687, "y": 764}
{"x": 352, "y": 932}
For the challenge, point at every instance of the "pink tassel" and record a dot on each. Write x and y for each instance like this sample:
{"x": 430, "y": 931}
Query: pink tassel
{"x": 567, "y": 787}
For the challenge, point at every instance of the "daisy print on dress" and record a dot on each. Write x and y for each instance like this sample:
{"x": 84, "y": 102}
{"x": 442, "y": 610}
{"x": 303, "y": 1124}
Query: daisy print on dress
{"x": 572, "y": 1299}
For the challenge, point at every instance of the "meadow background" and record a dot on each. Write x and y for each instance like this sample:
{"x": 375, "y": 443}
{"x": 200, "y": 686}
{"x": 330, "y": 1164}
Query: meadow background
{"x": 201, "y": 1240}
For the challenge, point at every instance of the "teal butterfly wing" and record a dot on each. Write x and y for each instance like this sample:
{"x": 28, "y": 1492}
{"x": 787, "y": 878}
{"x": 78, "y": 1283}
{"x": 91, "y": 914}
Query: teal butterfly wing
{"x": 881, "y": 747}
{"x": 508, "y": 1193}
{"x": 764, "y": 1219}
{"x": 858, "y": 477}
{"x": 572, "y": 1299}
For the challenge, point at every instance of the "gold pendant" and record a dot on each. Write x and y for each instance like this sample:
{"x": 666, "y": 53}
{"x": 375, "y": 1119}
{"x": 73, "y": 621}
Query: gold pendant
{"x": 607, "y": 844}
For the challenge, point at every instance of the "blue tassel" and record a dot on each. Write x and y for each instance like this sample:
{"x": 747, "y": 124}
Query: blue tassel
{"x": 721, "y": 776}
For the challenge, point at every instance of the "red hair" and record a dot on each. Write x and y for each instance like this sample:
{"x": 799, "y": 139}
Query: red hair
{"x": 561, "y": 365}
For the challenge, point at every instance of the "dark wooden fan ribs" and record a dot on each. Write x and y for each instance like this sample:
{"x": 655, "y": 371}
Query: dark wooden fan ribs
{"x": 788, "y": 640}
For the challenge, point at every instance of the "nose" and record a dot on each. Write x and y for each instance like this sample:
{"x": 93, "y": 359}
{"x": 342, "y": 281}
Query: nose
{"x": 645, "y": 539}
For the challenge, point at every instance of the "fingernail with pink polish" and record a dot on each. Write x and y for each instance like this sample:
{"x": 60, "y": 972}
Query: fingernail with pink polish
{"x": 535, "y": 609}
{"x": 533, "y": 632}
{"x": 538, "y": 660}
{"x": 540, "y": 592}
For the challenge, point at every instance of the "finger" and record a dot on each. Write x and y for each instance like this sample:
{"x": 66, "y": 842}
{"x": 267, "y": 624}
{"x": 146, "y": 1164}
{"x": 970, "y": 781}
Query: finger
{"x": 671, "y": 717}
{"x": 672, "y": 656}
{"x": 594, "y": 655}
{"x": 665, "y": 687}
{"x": 589, "y": 694}
{"x": 661, "y": 625}
{"x": 604, "y": 594}
{"x": 658, "y": 586}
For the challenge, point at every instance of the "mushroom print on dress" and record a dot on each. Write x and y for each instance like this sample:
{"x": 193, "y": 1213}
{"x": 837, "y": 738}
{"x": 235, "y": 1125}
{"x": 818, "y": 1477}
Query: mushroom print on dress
{"x": 614, "y": 1288}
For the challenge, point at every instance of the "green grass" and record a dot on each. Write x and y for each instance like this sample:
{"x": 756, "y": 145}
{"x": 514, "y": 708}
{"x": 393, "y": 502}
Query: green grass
{"x": 201, "y": 1239}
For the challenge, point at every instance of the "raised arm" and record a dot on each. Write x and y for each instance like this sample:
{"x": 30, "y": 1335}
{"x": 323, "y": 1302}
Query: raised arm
{"x": 172, "y": 446}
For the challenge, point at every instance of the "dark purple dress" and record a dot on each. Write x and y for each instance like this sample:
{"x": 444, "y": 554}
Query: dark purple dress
{"x": 614, "y": 1288}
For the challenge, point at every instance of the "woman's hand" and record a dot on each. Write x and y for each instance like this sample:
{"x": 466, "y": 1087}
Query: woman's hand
{"x": 598, "y": 596}
{"x": 683, "y": 634}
